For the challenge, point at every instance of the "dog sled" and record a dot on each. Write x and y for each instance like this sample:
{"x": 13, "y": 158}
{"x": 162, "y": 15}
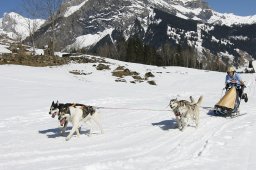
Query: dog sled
{"x": 228, "y": 105}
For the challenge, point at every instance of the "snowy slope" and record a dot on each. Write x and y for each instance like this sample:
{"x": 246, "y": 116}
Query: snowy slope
{"x": 73, "y": 9}
{"x": 133, "y": 139}
{"x": 3, "y": 49}
{"x": 88, "y": 40}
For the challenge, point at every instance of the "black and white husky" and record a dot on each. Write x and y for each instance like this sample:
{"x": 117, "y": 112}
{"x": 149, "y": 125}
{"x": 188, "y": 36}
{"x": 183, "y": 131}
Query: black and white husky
{"x": 77, "y": 114}
{"x": 56, "y": 108}
{"x": 184, "y": 110}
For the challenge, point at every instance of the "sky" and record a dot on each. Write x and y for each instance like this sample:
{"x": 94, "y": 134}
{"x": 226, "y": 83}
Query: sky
{"x": 10, "y": 6}
{"x": 238, "y": 7}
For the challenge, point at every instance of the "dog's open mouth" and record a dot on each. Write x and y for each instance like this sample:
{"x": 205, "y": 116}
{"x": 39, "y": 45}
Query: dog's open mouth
{"x": 54, "y": 114}
{"x": 63, "y": 121}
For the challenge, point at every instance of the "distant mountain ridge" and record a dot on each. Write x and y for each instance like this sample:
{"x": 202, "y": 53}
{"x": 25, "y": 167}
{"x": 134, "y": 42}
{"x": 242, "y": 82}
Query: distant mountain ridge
{"x": 94, "y": 25}
{"x": 15, "y": 26}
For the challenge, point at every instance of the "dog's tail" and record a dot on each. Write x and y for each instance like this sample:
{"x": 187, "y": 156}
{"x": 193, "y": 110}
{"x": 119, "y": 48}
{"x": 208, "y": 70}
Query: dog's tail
{"x": 199, "y": 102}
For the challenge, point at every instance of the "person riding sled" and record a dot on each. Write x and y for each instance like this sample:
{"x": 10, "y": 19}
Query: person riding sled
{"x": 228, "y": 105}
{"x": 234, "y": 79}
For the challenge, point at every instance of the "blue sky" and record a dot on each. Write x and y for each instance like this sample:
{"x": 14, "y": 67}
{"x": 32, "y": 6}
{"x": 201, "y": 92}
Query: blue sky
{"x": 10, "y": 6}
{"x": 238, "y": 7}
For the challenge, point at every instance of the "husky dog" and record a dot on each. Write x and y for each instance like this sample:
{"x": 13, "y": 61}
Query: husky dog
{"x": 57, "y": 107}
{"x": 184, "y": 110}
{"x": 78, "y": 114}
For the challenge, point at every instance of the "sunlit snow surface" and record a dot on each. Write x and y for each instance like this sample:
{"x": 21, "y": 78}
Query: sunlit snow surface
{"x": 133, "y": 139}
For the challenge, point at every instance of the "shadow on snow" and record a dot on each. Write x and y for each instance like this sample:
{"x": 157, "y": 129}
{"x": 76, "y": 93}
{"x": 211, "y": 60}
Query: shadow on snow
{"x": 166, "y": 124}
{"x": 55, "y": 132}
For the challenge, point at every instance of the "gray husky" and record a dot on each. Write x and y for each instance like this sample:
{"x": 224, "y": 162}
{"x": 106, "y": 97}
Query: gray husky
{"x": 184, "y": 110}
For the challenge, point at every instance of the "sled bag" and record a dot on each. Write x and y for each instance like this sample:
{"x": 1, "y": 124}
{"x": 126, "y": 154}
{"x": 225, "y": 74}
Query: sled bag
{"x": 228, "y": 100}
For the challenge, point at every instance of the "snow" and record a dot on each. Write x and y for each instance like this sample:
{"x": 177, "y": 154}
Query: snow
{"x": 16, "y": 26}
{"x": 215, "y": 39}
{"x": 133, "y": 139}
{"x": 183, "y": 9}
{"x": 181, "y": 16}
{"x": 37, "y": 51}
{"x": 230, "y": 19}
{"x": 73, "y": 9}
{"x": 254, "y": 66}
{"x": 171, "y": 32}
{"x": 224, "y": 18}
{"x": 3, "y": 49}
{"x": 244, "y": 38}
{"x": 60, "y": 54}
{"x": 88, "y": 39}
{"x": 231, "y": 57}
{"x": 159, "y": 2}
{"x": 199, "y": 42}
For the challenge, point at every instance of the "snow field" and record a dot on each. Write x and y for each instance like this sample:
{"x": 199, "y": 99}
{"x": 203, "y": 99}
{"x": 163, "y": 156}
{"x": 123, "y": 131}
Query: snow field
{"x": 133, "y": 139}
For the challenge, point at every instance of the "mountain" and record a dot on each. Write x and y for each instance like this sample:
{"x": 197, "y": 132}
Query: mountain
{"x": 15, "y": 26}
{"x": 90, "y": 25}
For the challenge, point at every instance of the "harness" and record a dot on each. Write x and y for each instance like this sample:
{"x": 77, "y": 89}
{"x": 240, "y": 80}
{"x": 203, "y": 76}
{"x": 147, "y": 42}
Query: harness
{"x": 88, "y": 110}
{"x": 65, "y": 108}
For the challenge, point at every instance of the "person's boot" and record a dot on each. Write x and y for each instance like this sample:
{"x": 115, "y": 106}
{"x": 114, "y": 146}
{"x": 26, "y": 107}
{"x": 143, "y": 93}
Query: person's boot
{"x": 244, "y": 96}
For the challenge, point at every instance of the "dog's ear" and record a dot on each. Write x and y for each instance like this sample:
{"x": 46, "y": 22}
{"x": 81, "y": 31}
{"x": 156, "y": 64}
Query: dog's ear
{"x": 52, "y": 102}
{"x": 57, "y": 103}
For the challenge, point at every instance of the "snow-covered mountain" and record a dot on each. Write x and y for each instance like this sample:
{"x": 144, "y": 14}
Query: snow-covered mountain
{"x": 187, "y": 9}
{"x": 199, "y": 10}
{"x": 94, "y": 24}
{"x": 16, "y": 26}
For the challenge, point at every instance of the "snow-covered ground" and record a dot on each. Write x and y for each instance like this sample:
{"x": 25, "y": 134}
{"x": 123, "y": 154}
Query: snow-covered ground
{"x": 133, "y": 139}
{"x": 3, "y": 49}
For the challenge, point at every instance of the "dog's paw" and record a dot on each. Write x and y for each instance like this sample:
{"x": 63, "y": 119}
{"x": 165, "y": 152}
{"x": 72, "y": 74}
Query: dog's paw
{"x": 181, "y": 128}
{"x": 67, "y": 138}
{"x": 89, "y": 134}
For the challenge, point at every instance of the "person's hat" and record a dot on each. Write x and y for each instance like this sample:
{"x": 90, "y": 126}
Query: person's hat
{"x": 231, "y": 69}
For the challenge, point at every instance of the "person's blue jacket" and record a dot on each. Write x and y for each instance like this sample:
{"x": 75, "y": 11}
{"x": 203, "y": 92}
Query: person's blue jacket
{"x": 235, "y": 78}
